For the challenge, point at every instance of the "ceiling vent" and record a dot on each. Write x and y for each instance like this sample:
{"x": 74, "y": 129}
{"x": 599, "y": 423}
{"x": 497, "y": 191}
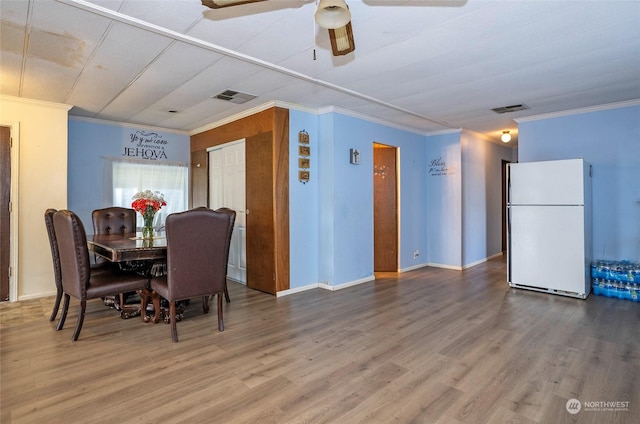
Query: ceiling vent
{"x": 234, "y": 96}
{"x": 512, "y": 108}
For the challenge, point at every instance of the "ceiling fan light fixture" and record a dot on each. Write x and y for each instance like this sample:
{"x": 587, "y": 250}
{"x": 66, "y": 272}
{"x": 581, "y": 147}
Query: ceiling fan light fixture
{"x": 342, "y": 40}
{"x": 505, "y": 137}
{"x": 332, "y": 14}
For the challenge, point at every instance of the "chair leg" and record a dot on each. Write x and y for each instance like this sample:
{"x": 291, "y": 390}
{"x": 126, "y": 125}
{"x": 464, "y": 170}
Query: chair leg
{"x": 226, "y": 293}
{"x": 144, "y": 301}
{"x": 220, "y": 320}
{"x": 76, "y": 332}
{"x": 205, "y": 304}
{"x": 56, "y": 305}
{"x": 63, "y": 314}
{"x": 174, "y": 327}
{"x": 155, "y": 298}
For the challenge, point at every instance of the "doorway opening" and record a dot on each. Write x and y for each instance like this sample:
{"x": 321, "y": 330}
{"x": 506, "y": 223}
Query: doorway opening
{"x": 385, "y": 208}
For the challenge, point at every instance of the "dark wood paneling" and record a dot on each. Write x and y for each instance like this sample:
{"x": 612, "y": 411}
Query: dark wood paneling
{"x": 385, "y": 217}
{"x": 261, "y": 243}
{"x": 199, "y": 178}
{"x": 5, "y": 197}
{"x": 267, "y": 137}
{"x": 252, "y": 125}
{"x": 281, "y": 196}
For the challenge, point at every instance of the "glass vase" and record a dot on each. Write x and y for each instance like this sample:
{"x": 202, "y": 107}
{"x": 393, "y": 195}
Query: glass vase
{"x": 147, "y": 229}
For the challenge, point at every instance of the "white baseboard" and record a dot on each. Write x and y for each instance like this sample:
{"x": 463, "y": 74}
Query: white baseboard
{"x": 472, "y": 264}
{"x": 332, "y": 287}
{"x": 467, "y": 266}
{"x": 445, "y": 266}
{"x": 411, "y": 268}
{"x": 325, "y": 286}
{"x": 37, "y": 295}
{"x": 345, "y": 285}
{"x": 297, "y": 290}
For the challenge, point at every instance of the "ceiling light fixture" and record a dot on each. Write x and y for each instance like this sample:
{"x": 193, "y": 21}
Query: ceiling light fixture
{"x": 332, "y": 14}
{"x": 505, "y": 137}
{"x": 342, "y": 40}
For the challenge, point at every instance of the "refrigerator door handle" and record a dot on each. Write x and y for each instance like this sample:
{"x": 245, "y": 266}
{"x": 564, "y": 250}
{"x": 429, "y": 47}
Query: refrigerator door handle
{"x": 508, "y": 244}
{"x": 508, "y": 184}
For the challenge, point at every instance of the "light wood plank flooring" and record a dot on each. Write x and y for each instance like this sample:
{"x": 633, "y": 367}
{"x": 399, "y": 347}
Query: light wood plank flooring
{"x": 427, "y": 346}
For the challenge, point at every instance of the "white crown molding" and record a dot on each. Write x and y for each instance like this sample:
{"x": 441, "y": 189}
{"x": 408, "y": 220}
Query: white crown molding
{"x": 445, "y": 132}
{"x": 232, "y": 118}
{"x": 24, "y": 100}
{"x": 569, "y": 112}
{"x": 125, "y": 125}
{"x": 297, "y": 107}
{"x": 352, "y": 114}
{"x": 310, "y": 110}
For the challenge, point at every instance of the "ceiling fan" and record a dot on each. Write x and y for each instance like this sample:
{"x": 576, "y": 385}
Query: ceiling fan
{"x": 332, "y": 15}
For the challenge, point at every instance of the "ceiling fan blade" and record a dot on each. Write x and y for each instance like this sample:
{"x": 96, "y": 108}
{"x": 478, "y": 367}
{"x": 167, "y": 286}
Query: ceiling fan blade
{"x": 217, "y": 4}
{"x": 342, "y": 40}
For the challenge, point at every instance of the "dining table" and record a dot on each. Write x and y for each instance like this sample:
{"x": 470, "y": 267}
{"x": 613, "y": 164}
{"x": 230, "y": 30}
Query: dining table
{"x": 128, "y": 247}
{"x": 130, "y": 250}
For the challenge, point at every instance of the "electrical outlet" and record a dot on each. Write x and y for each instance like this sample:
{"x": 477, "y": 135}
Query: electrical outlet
{"x": 416, "y": 253}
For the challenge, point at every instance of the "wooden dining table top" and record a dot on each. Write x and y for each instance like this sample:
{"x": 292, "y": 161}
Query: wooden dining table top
{"x": 127, "y": 247}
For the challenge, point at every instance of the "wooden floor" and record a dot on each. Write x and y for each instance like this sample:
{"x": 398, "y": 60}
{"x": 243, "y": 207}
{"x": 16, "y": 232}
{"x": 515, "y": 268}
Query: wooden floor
{"x": 427, "y": 346}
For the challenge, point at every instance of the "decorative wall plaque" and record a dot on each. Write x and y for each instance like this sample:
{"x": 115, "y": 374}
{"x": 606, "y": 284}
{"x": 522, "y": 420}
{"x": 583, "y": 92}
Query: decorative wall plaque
{"x": 304, "y": 151}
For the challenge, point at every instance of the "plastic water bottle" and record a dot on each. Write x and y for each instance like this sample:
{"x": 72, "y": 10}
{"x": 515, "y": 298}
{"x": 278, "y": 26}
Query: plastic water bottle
{"x": 634, "y": 292}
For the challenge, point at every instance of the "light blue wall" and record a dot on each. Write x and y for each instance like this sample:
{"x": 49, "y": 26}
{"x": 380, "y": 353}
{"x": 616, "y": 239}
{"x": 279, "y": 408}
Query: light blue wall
{"x": 481, "y": 197}
{"x": 444, "y": 200}
{"x": 610, "y": 141}
{"x": 331, "y": 216}
{"x": 345, "y": 198}
{"x": 91, "y": 141}
{"x": 303, "y": 203}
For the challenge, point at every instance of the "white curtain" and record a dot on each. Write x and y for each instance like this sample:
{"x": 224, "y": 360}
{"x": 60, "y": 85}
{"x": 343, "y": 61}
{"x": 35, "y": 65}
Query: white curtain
{"x": 129, "y": 177}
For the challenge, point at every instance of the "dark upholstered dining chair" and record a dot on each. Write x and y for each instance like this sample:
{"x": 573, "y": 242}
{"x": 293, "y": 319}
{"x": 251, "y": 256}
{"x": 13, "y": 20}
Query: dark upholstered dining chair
{"x": 113, "y": 220}
{"x": 232, "y": 221}
{"x": 53, "y": 244}
{"x": 197, "y": 251}
{"x": 77, "y": 278}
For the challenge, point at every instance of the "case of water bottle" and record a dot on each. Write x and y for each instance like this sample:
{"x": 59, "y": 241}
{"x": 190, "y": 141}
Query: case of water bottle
{"x": 619, "y": 279}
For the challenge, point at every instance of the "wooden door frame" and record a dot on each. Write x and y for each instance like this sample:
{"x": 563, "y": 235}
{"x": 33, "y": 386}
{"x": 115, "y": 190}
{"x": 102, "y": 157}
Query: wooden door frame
{"x": 503, "y": 165}
{"x": 14, "y": 134}
{"x": 396, "y": 178}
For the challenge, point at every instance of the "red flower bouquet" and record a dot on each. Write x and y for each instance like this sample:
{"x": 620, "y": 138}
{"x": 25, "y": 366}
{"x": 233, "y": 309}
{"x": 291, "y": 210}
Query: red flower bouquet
{"x": 147, "y": 203}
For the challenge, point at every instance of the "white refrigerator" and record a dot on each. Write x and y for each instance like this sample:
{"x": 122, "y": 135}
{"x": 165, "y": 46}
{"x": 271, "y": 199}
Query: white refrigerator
{"x": 549, "y": 227}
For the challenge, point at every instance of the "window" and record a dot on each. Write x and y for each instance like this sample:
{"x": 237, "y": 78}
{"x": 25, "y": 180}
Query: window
{"x": 171, "y": 180}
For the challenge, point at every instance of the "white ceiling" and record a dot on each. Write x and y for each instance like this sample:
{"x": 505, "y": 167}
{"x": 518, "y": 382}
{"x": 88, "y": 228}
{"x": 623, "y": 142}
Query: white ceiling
{"x": 427, "y": 66}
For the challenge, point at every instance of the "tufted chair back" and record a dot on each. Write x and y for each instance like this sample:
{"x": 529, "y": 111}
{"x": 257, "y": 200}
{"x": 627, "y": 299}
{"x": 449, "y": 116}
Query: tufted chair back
{"x": 114, "y": 219}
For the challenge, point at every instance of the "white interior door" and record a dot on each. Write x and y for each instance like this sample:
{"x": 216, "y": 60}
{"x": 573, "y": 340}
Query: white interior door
{"x": 227, "y": 189}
